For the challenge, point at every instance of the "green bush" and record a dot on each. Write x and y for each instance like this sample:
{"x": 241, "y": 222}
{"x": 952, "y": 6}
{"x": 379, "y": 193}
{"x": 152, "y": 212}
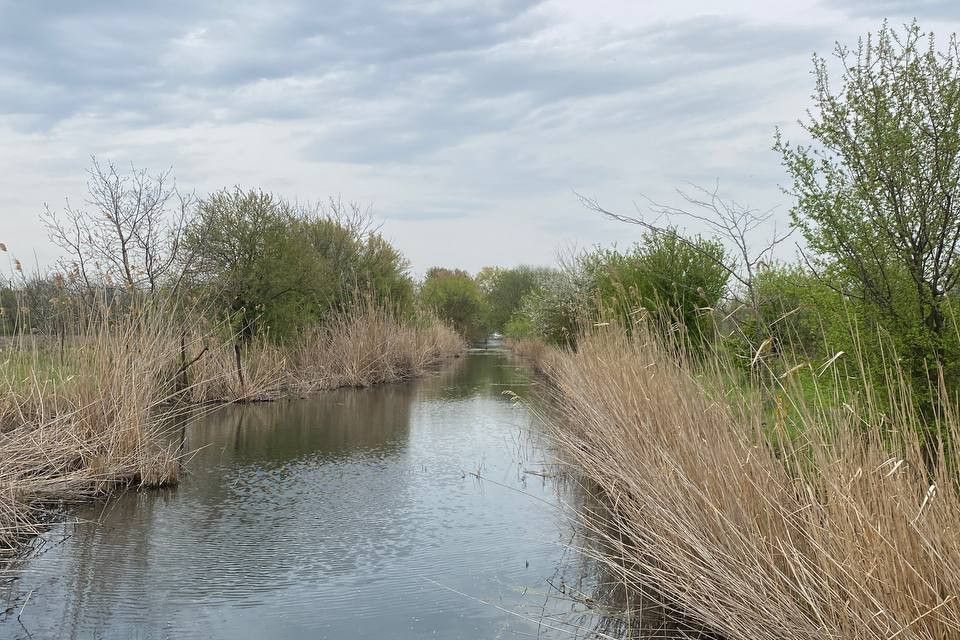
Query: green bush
{"x": 273, "y": 269}
{"x": 504, "y": 290}
{"x": 456, "y": 298}
{"x": 671, "y": 280}
{"x": 553, "y": 311}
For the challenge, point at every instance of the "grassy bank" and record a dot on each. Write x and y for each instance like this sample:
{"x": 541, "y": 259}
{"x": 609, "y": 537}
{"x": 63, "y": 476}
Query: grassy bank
{"x": 836, "y": 525}
{"x": 97, "y": 413}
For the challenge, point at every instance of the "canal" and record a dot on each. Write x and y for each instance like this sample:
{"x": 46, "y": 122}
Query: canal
{"x": 424, "y": 509}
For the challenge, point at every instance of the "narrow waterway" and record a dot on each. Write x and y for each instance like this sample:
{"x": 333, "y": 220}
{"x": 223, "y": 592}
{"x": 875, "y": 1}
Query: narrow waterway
{"x": 356, "y": 514}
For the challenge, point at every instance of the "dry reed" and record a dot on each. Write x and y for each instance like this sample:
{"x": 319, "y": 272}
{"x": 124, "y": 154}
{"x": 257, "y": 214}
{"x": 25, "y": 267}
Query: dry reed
{"x": 842, "y": 530}
{"x": 364, "y": 347}
{"x": 532, "y": 350}
{"x": 74, "y": 424}
{"x": 81, "y": 420}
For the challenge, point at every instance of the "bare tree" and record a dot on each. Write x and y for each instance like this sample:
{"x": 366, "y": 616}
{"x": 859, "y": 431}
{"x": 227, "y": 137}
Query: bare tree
{"x": 130, "y": 231}
{"x": 728, "y": 220}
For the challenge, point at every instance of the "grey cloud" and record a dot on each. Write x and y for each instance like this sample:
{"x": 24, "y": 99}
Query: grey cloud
{"x": 463, "y": 110}
{"x": 920, "y": 9}
{"x": 98, "y": 56}
{"x": 527, "y": 83}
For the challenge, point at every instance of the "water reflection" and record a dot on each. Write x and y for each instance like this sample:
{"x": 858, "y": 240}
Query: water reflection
{"x": 351, "y": 515}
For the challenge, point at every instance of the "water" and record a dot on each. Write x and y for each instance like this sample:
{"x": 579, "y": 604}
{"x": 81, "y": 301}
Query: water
{"x": 355, "y": 514}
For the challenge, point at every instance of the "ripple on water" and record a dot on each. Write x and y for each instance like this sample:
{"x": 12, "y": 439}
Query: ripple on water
{"x": 351, "y": 515}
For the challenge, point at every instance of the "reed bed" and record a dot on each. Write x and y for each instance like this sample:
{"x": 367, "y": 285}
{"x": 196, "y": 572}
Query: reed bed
{"x": 532, "y": 350}
{"x": 80, "y": 419}
{"x": 718, "y": 513}
{"x": 361, "y": 348}
{"x": 77, "y": 423}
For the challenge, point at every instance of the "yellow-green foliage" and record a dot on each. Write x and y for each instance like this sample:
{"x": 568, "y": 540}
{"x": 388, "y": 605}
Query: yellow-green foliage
{"x": 273, "y": 269}
{"x": 456, "y": 298}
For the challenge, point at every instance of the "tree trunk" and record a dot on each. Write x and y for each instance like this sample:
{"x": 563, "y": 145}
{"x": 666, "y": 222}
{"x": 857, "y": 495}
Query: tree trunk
{"x": 182, "y": 380}
{"x": 236, "y": 355}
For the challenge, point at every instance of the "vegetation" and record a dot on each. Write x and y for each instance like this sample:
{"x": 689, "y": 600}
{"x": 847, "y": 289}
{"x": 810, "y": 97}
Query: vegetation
{"x": 72, "y": 424}
{"x": 505, "y": 289}
{"x": 719, "y": 513}
{"x": 165, "y": 303}
{"x": 774, "y": 444}
{"x": 272, "y": 269}
{"x": 665, "y": 277}
{"x": 876, "y": 191}
{"x": 776, "y": 453}
{"x": 553, "y": 311}
{"x": 456, "y": 298}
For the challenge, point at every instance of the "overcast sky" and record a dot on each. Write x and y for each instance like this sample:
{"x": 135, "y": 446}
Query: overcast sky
{"x": 468, "y": 125}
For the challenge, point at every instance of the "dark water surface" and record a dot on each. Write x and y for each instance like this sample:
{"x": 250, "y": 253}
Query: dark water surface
{"x": 350, "y": 515}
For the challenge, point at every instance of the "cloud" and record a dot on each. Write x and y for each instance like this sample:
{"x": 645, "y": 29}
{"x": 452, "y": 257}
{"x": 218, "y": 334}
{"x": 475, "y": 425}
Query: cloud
{"x": 920, "y": 9}
{"x": 58, "y": 59}
{"x": 468, "y": 125}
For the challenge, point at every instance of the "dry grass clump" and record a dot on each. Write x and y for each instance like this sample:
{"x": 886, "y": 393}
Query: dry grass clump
{"x": 839, "y": 531}
{"x": 213, "y": 378}
{"x": 360, "y": 348}
{"x": 369, "y": 347}
{"x": 77, "y": 422}
{"x": 536, "y": 352}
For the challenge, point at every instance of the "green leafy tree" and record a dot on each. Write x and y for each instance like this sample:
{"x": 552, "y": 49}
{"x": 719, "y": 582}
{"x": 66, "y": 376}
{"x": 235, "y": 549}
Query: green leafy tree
{"x": 356, "y": 260}
{"x": 274, "y": 269}
{"x": 457, "y": 299}
{"x": 877, "y": 189}
{"x": 253, "y": 264}
{"x": 668, "y": 277}
{"x": 384, "y": 273}
{"x": 505, "y": 289}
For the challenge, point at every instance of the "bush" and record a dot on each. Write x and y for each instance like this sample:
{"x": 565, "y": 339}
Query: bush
{"x": 670, "y": 278}
{"x": 274, "y": 270}
{"x": 554, "y": 311}
{"x": 504, "y": 290}
{"x": 456, "y": 298}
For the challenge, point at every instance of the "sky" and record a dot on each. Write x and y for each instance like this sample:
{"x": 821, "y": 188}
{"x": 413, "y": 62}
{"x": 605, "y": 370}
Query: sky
{"x": 469, "y": 127}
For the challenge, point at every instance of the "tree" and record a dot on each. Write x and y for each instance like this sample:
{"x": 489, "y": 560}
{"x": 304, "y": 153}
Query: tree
{"x": 346, "y": 237}
{"x": 877, "y": 189}
{"x": 504, "y": 290}
{"x": 555, "y": 310}
{"x": 667, "y": 276}
{"x": 129, "y": 234}
{"x": 734, "y": 224}
{"x": 274, "y": 268}
{"x": 254, "y": 264}
{"x": 456, "y": 298}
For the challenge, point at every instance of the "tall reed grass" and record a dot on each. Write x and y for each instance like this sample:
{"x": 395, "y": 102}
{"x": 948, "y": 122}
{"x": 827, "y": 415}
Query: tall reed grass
{"x": 76, "y": 422}
{"x": 719, "y": 512}
{"x": 80, "y": 418}
{"x": 365, "y": 346}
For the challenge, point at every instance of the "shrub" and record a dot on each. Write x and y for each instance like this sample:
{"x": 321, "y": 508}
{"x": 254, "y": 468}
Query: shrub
{"x": 671, "y": 278}
{"x": 456, "y": 298}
